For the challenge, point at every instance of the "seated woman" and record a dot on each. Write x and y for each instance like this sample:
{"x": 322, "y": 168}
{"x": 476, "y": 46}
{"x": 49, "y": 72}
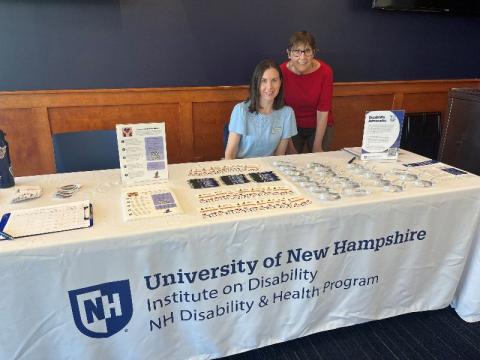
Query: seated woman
{"x": 261, "y": 125}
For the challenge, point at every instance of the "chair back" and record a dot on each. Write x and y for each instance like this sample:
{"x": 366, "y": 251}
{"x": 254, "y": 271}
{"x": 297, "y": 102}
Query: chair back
{"x": 85, "y": 150}
{"x": 225, "y": 135}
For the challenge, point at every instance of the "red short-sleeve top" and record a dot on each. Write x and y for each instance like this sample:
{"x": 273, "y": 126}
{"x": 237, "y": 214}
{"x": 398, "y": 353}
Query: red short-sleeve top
{"x": 309, "y": 93}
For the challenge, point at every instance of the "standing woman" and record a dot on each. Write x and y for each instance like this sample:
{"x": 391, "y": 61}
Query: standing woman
{"x": 308, "y": 86}
{"x": 262, "y": 125}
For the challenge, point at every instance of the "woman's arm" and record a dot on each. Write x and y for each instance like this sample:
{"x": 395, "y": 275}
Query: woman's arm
{"x": 290, "y": 129}
{"x": 322, "y": 117}
{"x": 282, "y": 147}
{"x": 291, "y": 148}
{"x": 232, "y": 146}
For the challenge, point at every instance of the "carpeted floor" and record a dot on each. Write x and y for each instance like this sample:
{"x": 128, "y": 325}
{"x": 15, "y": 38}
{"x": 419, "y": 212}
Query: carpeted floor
{"x": 437, "y": 334}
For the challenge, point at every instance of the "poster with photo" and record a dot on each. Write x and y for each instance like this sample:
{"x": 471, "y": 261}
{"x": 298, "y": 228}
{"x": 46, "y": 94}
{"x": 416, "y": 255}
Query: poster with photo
{"x": 381, "y": 135}
{"x": 143, "y": 153}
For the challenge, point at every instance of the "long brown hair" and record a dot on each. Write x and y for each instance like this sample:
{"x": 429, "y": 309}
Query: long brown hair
{"x": 254, "y": 96}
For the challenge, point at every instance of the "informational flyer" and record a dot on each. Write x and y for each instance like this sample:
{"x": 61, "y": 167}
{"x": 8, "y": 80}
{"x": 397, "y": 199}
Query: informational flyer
{"x": 381, "y": 135}
{"x": 143, "y": 153}
{"x": 148, "y": 201}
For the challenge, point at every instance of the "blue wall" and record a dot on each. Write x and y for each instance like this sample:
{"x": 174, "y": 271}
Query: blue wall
{"x": 71, "y": 44}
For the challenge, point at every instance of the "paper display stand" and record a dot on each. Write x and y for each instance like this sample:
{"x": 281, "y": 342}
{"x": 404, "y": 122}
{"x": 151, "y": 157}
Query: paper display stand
{"x": 381, "y": 135}
{"x": 142, "y": 149}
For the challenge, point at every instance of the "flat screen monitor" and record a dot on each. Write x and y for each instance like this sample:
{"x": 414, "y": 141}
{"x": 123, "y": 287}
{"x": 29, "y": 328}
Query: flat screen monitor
{"x": 466, "y": 7}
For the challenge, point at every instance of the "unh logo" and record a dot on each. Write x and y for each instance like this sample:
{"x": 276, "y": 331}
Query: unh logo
{"x": 102, "y": 310}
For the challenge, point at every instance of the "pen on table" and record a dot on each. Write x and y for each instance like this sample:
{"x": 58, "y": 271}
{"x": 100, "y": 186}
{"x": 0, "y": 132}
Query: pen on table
{"x": 351, "y": 160}
{"x": 6, "y": 236}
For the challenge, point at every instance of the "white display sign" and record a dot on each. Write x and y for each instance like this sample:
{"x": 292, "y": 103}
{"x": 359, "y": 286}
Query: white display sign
{"x": 381, "y": 135}
{"x": 143, "y": 153}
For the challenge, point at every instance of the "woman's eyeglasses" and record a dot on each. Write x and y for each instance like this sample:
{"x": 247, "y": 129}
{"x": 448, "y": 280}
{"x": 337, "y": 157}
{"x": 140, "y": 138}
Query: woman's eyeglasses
{"x": 297, "y": 52}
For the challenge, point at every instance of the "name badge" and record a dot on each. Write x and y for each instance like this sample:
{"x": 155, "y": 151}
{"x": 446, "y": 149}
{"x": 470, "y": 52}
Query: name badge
{"x": 276, "y": 130}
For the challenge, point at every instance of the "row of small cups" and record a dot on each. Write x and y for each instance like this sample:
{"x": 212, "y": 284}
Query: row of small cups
{"x": 349, "y": 187}
{"x": 298, "y": 175}
{"x": 378, "y": 179}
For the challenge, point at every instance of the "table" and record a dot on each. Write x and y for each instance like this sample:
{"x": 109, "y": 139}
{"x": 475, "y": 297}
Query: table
{"x": 467, "y": 298}
{"x": 185, "y": 287}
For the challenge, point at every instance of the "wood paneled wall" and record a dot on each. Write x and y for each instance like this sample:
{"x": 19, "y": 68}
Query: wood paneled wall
{"x": 194, "y": 117}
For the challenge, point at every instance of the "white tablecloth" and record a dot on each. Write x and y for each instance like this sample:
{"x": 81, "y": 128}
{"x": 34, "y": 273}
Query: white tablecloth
{"x": 184, "y": 287}
{"x": 467, "y": 297}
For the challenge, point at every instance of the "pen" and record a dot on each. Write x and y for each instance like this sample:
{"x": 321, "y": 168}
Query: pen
{"x": 351, "y": 160}
{"x": 5, "y": 236}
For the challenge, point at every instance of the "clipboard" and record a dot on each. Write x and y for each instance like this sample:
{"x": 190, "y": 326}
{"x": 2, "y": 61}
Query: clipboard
{"x": 47, "y": 219}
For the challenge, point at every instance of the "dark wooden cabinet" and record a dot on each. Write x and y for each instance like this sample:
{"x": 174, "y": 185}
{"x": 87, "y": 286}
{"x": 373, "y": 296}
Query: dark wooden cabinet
{"x": 460, "y": 145}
